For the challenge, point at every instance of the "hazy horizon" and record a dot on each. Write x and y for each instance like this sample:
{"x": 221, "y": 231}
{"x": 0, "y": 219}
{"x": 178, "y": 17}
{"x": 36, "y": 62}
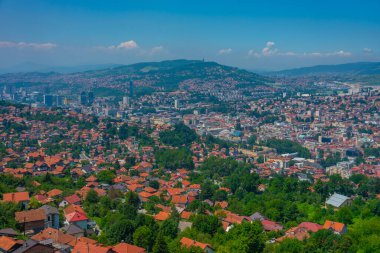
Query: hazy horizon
{"x": 249, "y": 34}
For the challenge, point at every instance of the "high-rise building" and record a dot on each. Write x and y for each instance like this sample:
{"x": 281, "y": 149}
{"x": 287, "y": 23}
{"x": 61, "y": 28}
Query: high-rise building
{"x": 83, "y": 98}
{"x": 131, "y": 89}
{"x": 91, "y": 98}
{"x": 176, "y": 104}
{"x": 48, "y": 100}
{"x": 59, "y": 100}
{"x": 126, "y": 101}
{"x": 9, "y": 89}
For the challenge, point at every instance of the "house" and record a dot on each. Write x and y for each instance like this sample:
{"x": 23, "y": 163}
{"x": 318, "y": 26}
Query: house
{"x": 52, "y": 216}
{"x": 187, "y": 242}
{"x": 10, "y": 232}
{"x": 77, "y": 218}
{"x": 310, "y": 226}
{"x": 54, "y": 193}
{"x": 84, "y": 247}
{"x": 74, "y": 230}
{"x": 271, "y": 225}
{"x": 54, "y": 236}
{"x": 182, "y": 225}
{"x": 338, "y": 201}
{"x": 257, "y": 216}
{"x": 336, "y": 227}
{"x": 17, "y": 197}
{"x": 180, "y": 200}
{"x": 8, "y": 244}
{"x": 301, "y": 232}
{"x": 70, "y": 200}
{"x": 32, "y": 246}
{"x": 161, "y": 216}
{"x": 127, "y": 248}
{"x": 31, "y": 220}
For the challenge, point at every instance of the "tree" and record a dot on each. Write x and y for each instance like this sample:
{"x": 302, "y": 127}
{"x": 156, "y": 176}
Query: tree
{"x": 169, "y": 228}
{"x": 260, "y": 159}
{"x": 174, "y": 158}
{"x": 160, "y": 245}
{"x": 154, "y": 184}
{"x": 33, "y": 203}
{"x": 181, "y": 135}
{"x": 132, "y": 198}
{"x": 287, "y": 245}
{"x": 207, "y": 223}
{"x": 92, "y": 197}
{"x": 106, "y": 176}
{"x": 143, "y": 237}
{"x": 120, "y": 230}
{"x": 246, "y": 238}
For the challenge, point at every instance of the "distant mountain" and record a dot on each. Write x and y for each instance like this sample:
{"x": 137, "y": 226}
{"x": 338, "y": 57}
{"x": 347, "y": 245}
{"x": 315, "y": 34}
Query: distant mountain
{"x": 358, "y": 68}
{"x": 35, "y": 67}
{"x": 165, "y": 74}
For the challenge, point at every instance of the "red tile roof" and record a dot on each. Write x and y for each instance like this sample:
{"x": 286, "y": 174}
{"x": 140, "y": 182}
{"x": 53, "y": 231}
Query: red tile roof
{"x": 187, "y": 242}
{"x": 16, "y": 197}
{"x": 82, "y": 247}
{"x": 75, "y": 216}
{"x": 161, "y": 216}
{"x": 335, "y": 226}
{"x": 127, "y": 248}
{"x": 30, "y": 215}
{"x": 7, "y": 243}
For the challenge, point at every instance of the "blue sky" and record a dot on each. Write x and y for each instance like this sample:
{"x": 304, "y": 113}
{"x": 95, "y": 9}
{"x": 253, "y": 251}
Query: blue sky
{"x": 275, "y": 34}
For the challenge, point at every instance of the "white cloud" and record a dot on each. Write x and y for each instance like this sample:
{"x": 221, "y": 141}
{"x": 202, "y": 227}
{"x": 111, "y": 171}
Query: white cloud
{"x": 39, "y": 46}
{"x": 269, "y": 49}
{"x": 224, "y": 51}
{"x": 340, "y": 53}
{"x": 127, "y": 45}
{"x": 156, "y": 49}
{"x": 367, "y": 50}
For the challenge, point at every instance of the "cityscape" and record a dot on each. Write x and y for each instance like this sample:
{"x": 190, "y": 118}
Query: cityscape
{"x": 171, "y": 151}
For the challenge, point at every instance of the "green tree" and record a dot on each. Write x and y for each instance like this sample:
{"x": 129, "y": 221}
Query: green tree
{"x": 92, "y": 197}
{"x": 143, "y": 237}
{"x": 120, "y": 230}
{"x": 106, "y": 176}
{"x": 207, "y": 223}
{"x": 160, "y": 245}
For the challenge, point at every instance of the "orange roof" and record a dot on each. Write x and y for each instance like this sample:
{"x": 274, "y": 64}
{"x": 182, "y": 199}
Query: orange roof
{"x": 30, "y": 215}
{"x": 127, "y": 248}
{"x": 54, "y": 234}
{"x": 187, "y": 242}
{"x": 54, "y": 193}
{"x": 7, "y": 243}
{"x": 186, "y": 215}
{"x": 16, "y": 197}
{"x": 82, "y": 247}
{"x": 336, "y": 226}
{"x": 179, "y": 199}
{"x": 145, "y": 194}
{"x": 161, "y": 216}
{"x": 73, "y": 208}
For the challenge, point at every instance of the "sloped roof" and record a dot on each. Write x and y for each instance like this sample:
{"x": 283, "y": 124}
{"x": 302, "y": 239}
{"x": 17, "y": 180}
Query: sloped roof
{"x": 16, "y": 197}
{"x": 335, "y": 226}
{"x": 75, "y": 216}
{"x": 187, "y": 242}
{"x": 127, "y": 248}
{"x": 7, "y": 243}
{"x": 337, "y": 200}
{"x": 30, "y": 215}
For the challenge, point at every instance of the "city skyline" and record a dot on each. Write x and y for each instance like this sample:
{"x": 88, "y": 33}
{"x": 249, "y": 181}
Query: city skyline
{"x": 250, "y": 35}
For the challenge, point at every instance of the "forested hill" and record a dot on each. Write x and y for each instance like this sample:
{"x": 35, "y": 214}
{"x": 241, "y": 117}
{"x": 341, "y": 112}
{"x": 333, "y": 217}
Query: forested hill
{"x": 165, "y": 74}
{"x": 358, "y": 68}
